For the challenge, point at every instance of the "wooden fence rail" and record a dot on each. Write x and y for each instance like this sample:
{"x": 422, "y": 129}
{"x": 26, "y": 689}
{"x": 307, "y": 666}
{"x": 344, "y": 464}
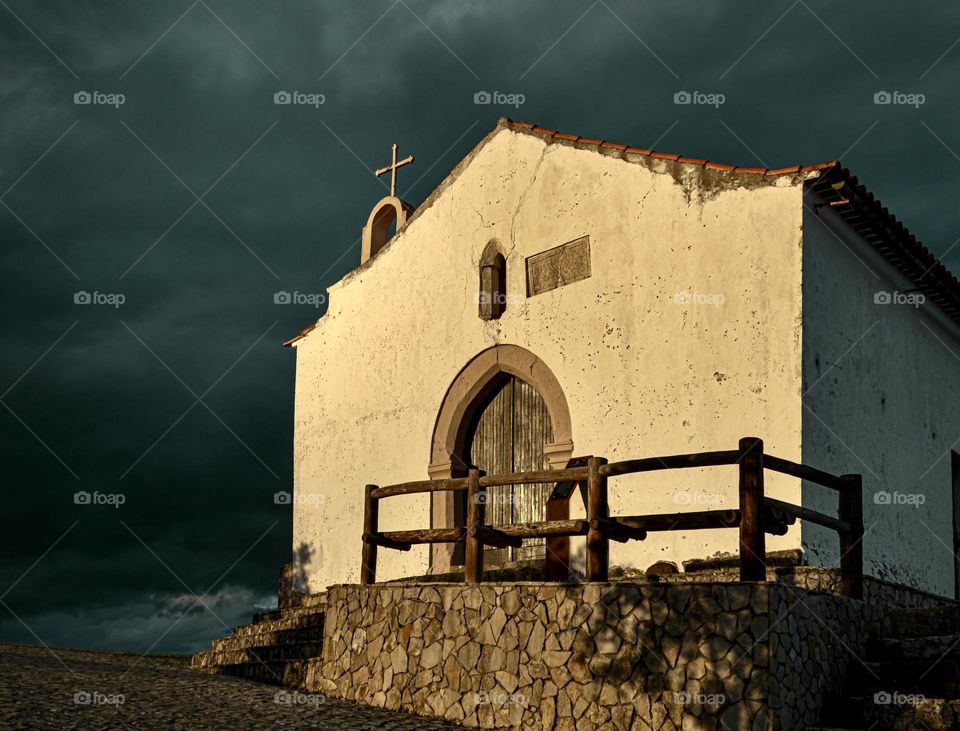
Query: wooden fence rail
{"x": 756, "y": 515}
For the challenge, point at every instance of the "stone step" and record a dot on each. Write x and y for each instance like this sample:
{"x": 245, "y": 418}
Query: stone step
{"x": 268, "y": 638}
{"x": 932, "y": 649}
{"x": 291, "y": 674}
{"x": 258, "y": 654}
{"x": 287, "y": 613}
{"x": 731, "y": 562}
{"x": 313, "y": 619}
{"x": 318, "y": 600}
{"x": 931, "y": 714}
{"x": 927, "y": 622}
{"x": 936, "y": 680}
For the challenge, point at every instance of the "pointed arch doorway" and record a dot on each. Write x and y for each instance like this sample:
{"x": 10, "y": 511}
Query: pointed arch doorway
{"x": 504, "y": 412}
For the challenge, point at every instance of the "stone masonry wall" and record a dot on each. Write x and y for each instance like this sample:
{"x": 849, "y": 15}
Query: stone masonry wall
{"x": 813, "y": 639}
{"x": 815, "y": 635}
{"x": 703, "y": 656}
{"x": 553, "y": 656}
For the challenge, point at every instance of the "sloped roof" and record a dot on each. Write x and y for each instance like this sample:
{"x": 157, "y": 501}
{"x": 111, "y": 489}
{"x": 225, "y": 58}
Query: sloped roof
{"x": 845, "y": 194}
{"x": 838, "y": 188}
{"x": 587, "y": 143}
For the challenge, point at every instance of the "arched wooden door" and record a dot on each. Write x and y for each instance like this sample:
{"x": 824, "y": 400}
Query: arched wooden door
{"x": 507, "y": 433}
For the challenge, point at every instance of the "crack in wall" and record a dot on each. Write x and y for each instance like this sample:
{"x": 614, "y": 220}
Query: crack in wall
{"x": 523, "y": 196}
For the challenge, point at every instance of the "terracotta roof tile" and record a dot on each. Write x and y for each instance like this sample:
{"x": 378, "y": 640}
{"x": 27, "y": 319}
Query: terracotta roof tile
{"x": 819, "y": 166}
{"x": 894, "y": 242}
{"x": 790, "y": 170}
{"x": 303, "y": 332}
{"x": 784, "y": 171}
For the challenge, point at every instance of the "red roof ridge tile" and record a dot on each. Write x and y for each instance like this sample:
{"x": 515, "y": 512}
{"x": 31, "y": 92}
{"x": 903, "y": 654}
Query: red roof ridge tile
{"x": 301, "y": 334}
{"x": 751, "y": 170}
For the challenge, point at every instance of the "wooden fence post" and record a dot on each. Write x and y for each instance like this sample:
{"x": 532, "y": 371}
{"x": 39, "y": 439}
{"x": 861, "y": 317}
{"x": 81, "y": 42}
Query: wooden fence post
{"x": 752, "y": 540}
{"x": 371, "y": 509}
{"x": 598, "y": 545}
{"x": 556, "y": 561}
{"x": 476, "y": 502}
{"x": 851, "y": 544}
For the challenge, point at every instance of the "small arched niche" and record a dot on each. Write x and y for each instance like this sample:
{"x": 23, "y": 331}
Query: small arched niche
{"x": 492, "y": 297}
{"x": 390, "y": 212}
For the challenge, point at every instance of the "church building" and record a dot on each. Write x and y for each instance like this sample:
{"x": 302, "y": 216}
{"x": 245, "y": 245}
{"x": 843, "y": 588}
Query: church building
{"x": 558, "y": 297}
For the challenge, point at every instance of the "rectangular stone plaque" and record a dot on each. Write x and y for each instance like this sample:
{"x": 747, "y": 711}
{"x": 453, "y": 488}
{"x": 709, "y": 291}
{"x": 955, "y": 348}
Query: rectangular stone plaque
{"x": 558, "y": 266}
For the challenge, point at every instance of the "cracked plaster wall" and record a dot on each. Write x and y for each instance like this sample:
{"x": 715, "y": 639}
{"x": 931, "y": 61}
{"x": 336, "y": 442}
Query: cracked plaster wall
{"x": 642, "y": 374}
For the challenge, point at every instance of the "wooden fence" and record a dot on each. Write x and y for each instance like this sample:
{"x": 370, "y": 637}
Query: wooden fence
{"x": 756, "y": 515}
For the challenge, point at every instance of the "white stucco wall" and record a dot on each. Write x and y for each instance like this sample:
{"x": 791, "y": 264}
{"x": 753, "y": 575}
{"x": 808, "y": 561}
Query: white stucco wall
{"x": 882, "y": 397}
{"x": 642, "y": 374}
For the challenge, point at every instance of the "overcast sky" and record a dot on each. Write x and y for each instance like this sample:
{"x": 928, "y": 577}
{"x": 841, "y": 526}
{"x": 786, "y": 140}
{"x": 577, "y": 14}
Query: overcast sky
{"x": 181, "y": 198}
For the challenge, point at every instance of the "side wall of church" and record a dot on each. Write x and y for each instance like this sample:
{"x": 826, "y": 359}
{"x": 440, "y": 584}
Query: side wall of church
{"x": 685, "y": 338}
{"x": 881, "y": 378}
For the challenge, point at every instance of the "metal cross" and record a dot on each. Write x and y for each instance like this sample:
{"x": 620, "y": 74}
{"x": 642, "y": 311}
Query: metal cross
{"x": 392, "y": 167}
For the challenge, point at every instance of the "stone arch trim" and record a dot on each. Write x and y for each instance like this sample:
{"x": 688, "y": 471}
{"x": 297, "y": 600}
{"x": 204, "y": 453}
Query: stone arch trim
{"x": 490, "y": 252}
{"x": 374, "y": 236}
{"x": 469, "y": 387}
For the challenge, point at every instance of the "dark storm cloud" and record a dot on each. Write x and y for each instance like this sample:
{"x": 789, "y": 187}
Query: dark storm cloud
{"x": 113, "y": 408}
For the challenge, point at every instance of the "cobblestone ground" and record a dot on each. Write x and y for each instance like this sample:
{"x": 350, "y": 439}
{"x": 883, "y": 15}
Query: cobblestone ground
{"x": 38, "y": 691}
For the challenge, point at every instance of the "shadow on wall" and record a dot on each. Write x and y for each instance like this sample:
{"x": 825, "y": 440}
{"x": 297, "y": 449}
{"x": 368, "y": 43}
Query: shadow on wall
{"x": 578, "y": 559}
{"x": 293, "y": 576}
{"x": 672, "y": 651}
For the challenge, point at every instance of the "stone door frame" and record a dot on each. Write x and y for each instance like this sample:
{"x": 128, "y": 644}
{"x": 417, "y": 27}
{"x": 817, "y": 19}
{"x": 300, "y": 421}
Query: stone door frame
{"x": 456, "y": 411}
